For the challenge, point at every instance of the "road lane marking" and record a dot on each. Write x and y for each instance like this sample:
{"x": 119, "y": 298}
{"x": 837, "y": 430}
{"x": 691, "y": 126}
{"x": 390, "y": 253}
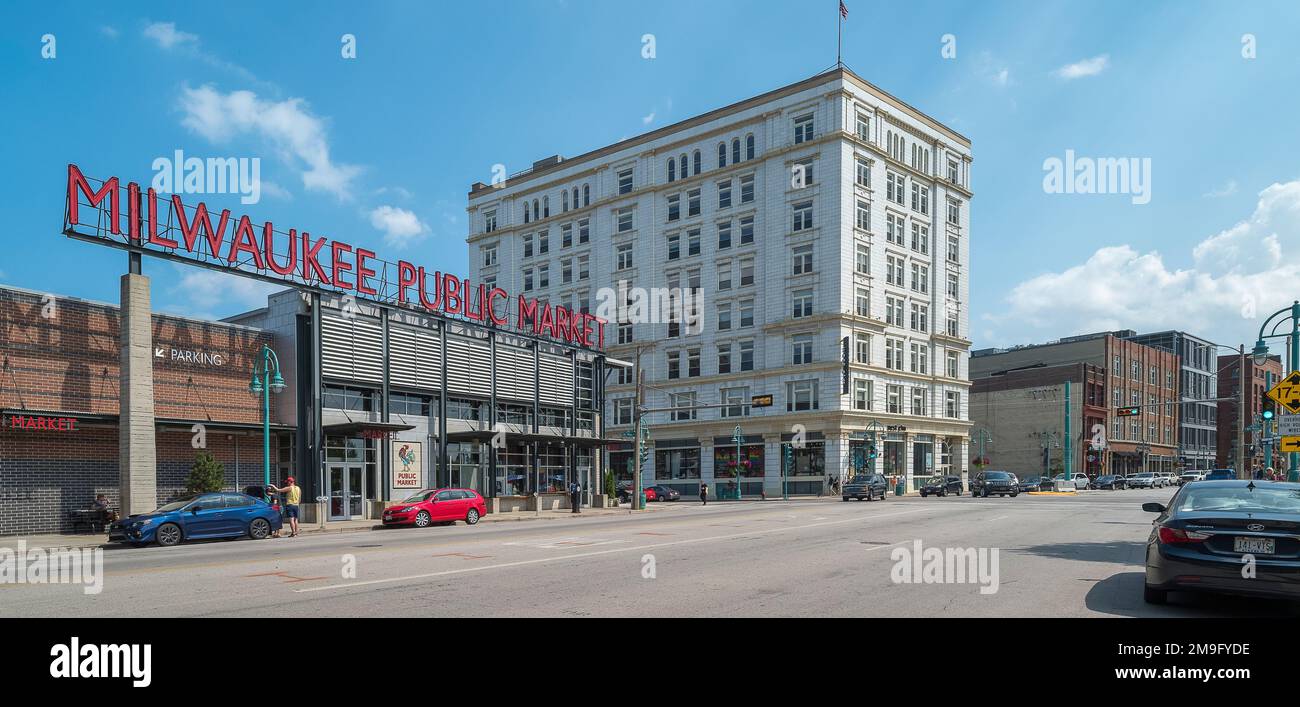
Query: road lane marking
{"x": 595, "y": 553}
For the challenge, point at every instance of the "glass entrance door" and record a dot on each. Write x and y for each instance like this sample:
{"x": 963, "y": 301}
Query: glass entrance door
{"x": 346, "y": 491}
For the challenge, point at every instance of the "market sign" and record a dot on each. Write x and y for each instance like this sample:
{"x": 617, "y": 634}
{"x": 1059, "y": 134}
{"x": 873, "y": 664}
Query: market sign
{"x": 406, "y": 462}
{"x": 171, "y": 230}
{"x": 40, "y": 423}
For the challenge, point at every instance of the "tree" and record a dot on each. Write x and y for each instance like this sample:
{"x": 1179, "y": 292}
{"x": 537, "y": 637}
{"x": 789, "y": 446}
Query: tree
{"x": 610, "y": 490}
{"x": 206, "y": 475}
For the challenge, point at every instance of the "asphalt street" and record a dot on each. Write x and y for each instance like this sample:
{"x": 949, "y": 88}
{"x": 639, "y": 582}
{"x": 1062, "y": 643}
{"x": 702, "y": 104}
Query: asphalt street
{"x": 1056, "y": 556}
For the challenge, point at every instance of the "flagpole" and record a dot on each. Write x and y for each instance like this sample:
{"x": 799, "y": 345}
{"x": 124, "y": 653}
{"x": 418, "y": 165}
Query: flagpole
{"x": 839, "y": 36}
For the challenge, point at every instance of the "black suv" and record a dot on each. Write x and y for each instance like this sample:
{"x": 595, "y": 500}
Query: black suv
{"x": 994, "y": 483}
{"x": 942, "y": 486}
{"x": 868, "y": 486}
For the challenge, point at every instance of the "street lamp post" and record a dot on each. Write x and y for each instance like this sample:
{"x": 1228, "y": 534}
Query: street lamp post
{"x": 1260, "y": 355}
{"x": 266, "y": 381}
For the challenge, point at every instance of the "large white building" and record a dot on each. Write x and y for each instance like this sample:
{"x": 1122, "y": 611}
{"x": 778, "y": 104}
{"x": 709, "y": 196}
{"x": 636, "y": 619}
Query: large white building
{"x": 823, "y": 210}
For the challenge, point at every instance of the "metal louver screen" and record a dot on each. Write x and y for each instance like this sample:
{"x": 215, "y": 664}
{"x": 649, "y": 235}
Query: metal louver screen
{"x": 352, "y": 349}
{"x": 515, "y": 373}
{"x": 469, "y": 366}
{"x": 414, "y": 358}
{"x": 557, "y": 380}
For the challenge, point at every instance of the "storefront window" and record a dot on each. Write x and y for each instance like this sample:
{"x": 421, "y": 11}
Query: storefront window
{"x": 751, "y": 461}
{"x": 893, "y": 463}
{"x": 677, "y": 464}
{"x": 810, "y": 460}
{"x": 340, "y": 397}
{"x": 554, "y": 467}
{"x": 465, "y": 460}
{"x": 461, "y": 409}
{"x": 621, "y": 464}
{"x": 513, "y": 477}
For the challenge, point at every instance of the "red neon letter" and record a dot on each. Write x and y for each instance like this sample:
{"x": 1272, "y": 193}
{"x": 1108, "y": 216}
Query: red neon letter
{"x": 405, "y": 278}
{"x": 268, "y": 240}
{"x": 451, "y": 294}
{"x": 245, "y": 241}
{"x": 338, "y": 265}
{"x": 364, "y": 272}
{"x": 527, "y": 312}
{"x": 190, "y": 231}
{"x": 437, "y": 290}
{"x": 492, "y": 308}
{"x": 77, "y": 181}
{"x": 309, "y": 260}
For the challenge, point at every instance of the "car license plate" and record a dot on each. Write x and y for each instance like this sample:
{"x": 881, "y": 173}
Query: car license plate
{"x": 1254, "y": 546}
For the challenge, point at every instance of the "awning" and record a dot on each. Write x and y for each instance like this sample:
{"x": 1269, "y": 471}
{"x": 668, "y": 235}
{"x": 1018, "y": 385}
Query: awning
{"x": 484, "y": 435}
{"x": 356, "y": 428}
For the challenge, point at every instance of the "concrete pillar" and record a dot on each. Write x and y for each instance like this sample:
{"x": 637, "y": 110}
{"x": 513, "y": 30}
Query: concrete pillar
{"x": 137, "y": 451}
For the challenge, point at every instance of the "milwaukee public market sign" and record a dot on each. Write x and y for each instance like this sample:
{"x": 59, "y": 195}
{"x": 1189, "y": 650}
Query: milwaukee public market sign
{"x": 170, "y": 229}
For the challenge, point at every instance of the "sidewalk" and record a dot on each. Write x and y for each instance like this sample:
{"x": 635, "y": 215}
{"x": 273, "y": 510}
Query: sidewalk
{"x": 342, "y": 526}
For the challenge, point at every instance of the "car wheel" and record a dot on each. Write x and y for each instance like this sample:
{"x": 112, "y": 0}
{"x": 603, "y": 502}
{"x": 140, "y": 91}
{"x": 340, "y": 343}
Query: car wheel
{"x": 845, "y": 499}
{"x": 422, "y": 519}
{"x": 472, "y": 517}
{"x": 923, "y": 494}
{"x": 1151, "y": 595}
{"x": 259, "y": 529}
{"x": 943, "y": 494}
{"x": 986, "y": 493}
{"x": 169, "y": 534}
{"x": 1015, "y": 494}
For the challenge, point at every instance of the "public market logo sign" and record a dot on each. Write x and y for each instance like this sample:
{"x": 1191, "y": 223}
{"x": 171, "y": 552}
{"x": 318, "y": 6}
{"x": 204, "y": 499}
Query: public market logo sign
{"x": 172, "y": 230}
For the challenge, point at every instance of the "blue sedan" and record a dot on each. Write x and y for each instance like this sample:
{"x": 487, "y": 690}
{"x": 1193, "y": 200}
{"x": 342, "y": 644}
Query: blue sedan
{"x": 198, "y": 517}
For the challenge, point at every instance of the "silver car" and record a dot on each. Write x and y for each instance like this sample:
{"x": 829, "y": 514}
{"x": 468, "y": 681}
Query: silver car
{"x": 1144, "y": 480}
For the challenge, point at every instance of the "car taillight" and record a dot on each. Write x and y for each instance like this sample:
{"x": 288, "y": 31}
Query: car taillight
{"x": 1177, "y": 536}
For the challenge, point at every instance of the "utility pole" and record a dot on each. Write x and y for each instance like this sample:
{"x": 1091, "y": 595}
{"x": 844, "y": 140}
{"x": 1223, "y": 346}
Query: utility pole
{"x": 1241, "y": 413}
{"x": 1266, "y": 425}
{"x": 1068, "y": 467}
{"x": 636, "y": 430}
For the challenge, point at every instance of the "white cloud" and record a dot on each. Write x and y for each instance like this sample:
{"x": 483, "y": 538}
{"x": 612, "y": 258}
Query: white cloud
{"x": 109, "y": 31}
{"x": 290, "y": 128}
{"x": 1238, "y": 276}
{"x": 648, "y": 119}
{"x": 167, "y": 36}
{"x": 1087, "y": 67}
{"x": 400, "y": 227}
{"x": 273, "y": 189}
{"x": 199, "y": 288}
{"x": 1226, "y": 190}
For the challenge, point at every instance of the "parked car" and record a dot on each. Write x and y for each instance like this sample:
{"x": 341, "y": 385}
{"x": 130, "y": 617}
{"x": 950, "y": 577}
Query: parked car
{"x": 1109, "y": 482}
{"x": 941, "y": 486}
{"x": 1202, "y": 539}
{"x": 1190, "y": 476}
{"x": 625, "y": 493}
{"x": 995, "y": 483}
{"x": 1032, "y": 483}
{"x": 1168, "y": 478}
{"x": 1220, "y": 475}
{"x": 1142, "y": 480}
{"x": 437, "y": 506}
{"x": 868, "y": 486}
{"x": 663, "y": 493}
{"x": 1080, "y": 481}
{"x": 196, "y": 517}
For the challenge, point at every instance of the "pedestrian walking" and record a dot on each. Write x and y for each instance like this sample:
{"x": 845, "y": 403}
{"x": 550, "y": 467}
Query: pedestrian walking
{"x": 704, "y": 494}
{"x": 292, "y": 495}
{"x": 575, "y": 496}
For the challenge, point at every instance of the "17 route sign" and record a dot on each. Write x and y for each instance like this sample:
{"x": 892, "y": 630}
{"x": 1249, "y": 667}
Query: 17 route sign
{"x": 1287, "y": 392}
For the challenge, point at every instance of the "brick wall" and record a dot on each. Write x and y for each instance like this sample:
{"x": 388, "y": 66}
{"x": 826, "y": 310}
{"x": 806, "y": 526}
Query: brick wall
{"x": 45, "y": 475}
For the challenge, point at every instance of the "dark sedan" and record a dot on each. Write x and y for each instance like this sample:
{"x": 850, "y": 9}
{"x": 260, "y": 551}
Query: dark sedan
{"x": 1109, "y": 483}
{"x": 1030, "y": 484}
{"x": 1211, "y": 530}
{"x": 942, "y": 486}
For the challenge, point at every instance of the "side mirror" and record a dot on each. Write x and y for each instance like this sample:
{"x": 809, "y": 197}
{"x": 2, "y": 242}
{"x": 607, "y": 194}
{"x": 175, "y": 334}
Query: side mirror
{"x": 195, "y": 509}
{"x": 1153, "y": 507}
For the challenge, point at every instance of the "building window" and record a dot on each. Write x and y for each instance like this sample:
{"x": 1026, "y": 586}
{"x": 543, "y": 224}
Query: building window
{"x": 693, "y": 202}
{"x": 747, "y": 355}
{"x": 724, "y": 316}
{"x": 801, "y": 349}
{"x": 952, "y": 172}
{"x": 862, "y": 302}
{"x": 625, "y": 220}
{"x": 920, "y": 278}
{"x": 863, "y": 127}
{"x": 544, "y": 276}
{"x": 528, "y": 279}
{"x": 693, "y": 362}
{"x": 894, "y": 311}
{"x": 894, "y": 354}
{"x": 490, "y": 221}
{"x": 800, "y": 396}
{"x": 953, "y": 364}
{"x": 687, "y": 401}
{"x": 674, "y": 246}
{"x": 920, "y": 238}
{"x": 724, "y": 194}
{"x": 624, "y": 256}
{"x": 695, "y": 157}
{"x": 863, "y": 345}
{"x": 722, "y": 155}
{"x": 920, "y": 198}
{"x": 625, "y": 181}
{"x": 894, "y": 187}
{"x": 803, "y": 129}
{"x": 747, "y": 230}
{"x": 952, "y": 404}
{"x": 543, "y": 242}
{"x": 623, "y": 411}
{"x": 954, "y": 249}
{"x": 674, "y": 207}
{"x": 586, "y": 195}
{"x": 746, "y": 272}
{"x": 954, "y": 213}
{"x": 624, "y": 334}
{"x": 802, "y": 216}
{"x": 724, "y": 275}
{"x": 894, "y": 229}
{"x": 894, "y": 399}
{"x": 749, "y": 147}
{"x": 724, "y": 358}
{"x": 920, "y": 317}
{"x": 737, "y": 400}
{"x": 803, "y": 259}
{"x": 489, "y": 255}
{"x": 863, "y": 221}
{"x": 954, "y": 286}
{"x": 802, "y": 303}
{"x": 735, "y": 150}
{"x": 724, "y": 235}
{"x": 862, "y": 262}
{"x": 747, "y": 189}
{"x": 746, "y": 312}
{"x": 919, "y": 396}
{"x": 674, "y": 365}
{"x": 861, "y": 394}
{"x": 672, "y": 170}
{"x": 920, "y": 358}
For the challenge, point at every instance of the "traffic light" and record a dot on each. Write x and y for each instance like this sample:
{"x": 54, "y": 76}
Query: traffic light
{"x": 789, "y": 457}
{"x": 871, "y": 450}
{"x": 1128, "y": 411}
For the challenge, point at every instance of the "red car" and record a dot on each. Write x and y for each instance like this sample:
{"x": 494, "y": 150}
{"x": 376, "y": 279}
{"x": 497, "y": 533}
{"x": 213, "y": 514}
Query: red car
{"x": 437, "y": 506}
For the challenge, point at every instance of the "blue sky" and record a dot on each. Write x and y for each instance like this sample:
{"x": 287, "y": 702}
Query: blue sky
{"x": 381, "y": 150}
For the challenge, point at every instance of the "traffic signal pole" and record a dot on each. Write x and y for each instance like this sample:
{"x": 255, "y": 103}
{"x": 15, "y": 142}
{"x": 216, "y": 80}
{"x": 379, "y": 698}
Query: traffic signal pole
{"x": 636, "y": 428}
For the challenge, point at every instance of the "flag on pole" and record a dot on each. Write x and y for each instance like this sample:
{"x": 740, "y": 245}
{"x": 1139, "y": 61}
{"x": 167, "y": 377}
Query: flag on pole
{"x": 844, "y": 10}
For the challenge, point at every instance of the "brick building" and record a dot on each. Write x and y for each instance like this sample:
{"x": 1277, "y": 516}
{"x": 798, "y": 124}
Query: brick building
{"x": 1136, "y": 375}
{"x": 59, "y": 359}
{"x": 1024, "y": 414}
{"x": 1256, "y": 386}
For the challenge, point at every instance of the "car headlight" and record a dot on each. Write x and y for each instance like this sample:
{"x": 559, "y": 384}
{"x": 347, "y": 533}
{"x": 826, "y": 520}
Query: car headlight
{"x": 145, "y": 522}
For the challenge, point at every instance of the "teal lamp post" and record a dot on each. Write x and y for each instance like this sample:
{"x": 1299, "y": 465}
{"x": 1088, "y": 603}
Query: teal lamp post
{"x": 1260, "y": 355}
{"x": 266, "y": 380}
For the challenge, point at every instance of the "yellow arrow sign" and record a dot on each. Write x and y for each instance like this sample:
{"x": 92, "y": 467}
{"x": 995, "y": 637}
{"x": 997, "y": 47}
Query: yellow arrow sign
{"x": 1290, "y": 444}
{"x": 1287, "y": 393}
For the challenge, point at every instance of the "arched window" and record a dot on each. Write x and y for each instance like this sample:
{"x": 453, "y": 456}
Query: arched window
{"x": 536, "y": 212}
{"x": 722, "y": 155}
{"x": 575, "y": 197}
{"x": 684, "y": 167}
{"x": 749, "y": 147}
{"x": 565, "y": 194}
{"x": 546, "y": 207}
{"x": 525, "y": 212}
{"x": 735, "y": 150}
{"x": 672, "y": 169}
{"x": 586, "y": 195}
{"x": 697, "y": 162}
